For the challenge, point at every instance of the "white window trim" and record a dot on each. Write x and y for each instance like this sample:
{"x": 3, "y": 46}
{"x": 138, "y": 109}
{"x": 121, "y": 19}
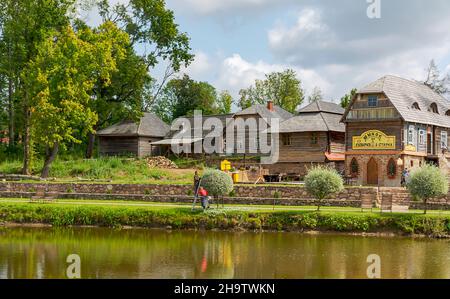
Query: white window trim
{"x": 444, "y": 140}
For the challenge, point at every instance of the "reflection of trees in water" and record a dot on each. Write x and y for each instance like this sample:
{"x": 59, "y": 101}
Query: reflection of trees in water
{"x": 34, "y": 253}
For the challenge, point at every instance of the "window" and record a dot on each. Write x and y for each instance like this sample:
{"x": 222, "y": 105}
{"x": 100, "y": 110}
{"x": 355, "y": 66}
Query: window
{"x": 391, "y": 169}
{"x": 421, "y": 137}
{"x": 433, "y": 108}
{"x": 314, "y": 138}
{"x": 415, "y": 106}
{"x": 373, "y": 101}
{"x": 410, "y": 135}
{"x": 412, "y": 163}
{"x": 354, "y": 167}
{"x": 287, "y": 139}
{"x": 444, "y": 139}
{"x": 447, "y": 113}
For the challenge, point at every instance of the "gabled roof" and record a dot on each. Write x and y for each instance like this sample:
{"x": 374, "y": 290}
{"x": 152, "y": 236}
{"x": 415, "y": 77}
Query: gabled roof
{"x": 149, "y": 125}
{"x": 221, "y": 117}
{"x": 404, "y": 93}
{"x": 322, "y": 106}
{"x": 316, "y": 117}
{"x": 262, "y": 111}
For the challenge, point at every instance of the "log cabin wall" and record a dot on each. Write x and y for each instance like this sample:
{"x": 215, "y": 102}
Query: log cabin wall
{"x": 117, "y": 146}
{"x": 307, "y": 147}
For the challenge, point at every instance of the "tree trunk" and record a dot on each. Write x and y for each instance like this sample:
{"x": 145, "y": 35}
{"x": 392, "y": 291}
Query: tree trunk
{"x": 318, "y": 205}
{"x": 11, "y": 128}
{"x": 425, "y": 207}
{"x": 49, "y": 158}
{"x": 90, "y": 146}
{"x": 26, "y": 144}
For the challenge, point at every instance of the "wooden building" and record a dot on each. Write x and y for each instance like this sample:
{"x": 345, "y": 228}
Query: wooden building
{"x": 315, "y": 136}
{"x": 246, "y": 138}
{"x": 131, "y": 138}
{"x": 393, "y": 124}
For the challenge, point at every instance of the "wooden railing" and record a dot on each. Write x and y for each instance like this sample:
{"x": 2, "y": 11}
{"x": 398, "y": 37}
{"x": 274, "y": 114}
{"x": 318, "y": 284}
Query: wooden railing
{"x": 373, "y": 114}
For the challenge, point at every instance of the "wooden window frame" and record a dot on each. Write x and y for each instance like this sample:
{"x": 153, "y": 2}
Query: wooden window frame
{"x": 388, "y": 169}
{"x": 314, "y": 139}
{"x": 287, "y": 139}
{"x": 352, "y": 163}
{"x": 372, "y": 99}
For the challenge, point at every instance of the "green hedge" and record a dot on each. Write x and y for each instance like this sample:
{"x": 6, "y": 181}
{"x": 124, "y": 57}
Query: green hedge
{"x": 183, "y": 218}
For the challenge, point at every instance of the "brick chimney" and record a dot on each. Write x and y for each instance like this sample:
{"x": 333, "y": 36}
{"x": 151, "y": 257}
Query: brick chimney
{"x": 270, "y": 105}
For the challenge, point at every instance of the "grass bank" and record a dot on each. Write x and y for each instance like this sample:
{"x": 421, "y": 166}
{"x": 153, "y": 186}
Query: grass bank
{"x": 115, "y": 169}
{"x": 229, "y": 219}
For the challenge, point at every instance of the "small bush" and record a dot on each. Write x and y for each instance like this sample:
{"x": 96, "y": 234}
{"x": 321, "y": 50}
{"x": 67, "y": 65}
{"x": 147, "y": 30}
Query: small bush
{"x": 426, "y": 183}
{"x": 321, "y": 182}
{"x": 217, "y": 182}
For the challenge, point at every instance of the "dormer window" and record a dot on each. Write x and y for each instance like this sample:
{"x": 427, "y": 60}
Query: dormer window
{"x": 434, "y": 108}
{"x": 415, "y": 106}
{"x": 372, "y": 101}
{"x": 447, "y": 113}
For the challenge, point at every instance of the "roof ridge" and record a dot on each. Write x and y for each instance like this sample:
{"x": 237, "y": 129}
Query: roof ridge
{"x": 326, "y": 124}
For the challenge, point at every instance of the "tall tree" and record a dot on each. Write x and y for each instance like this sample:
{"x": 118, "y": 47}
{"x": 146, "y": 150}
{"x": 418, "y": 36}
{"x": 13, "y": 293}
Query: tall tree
{"x": 345, "y": 100}
{"x": 152, "y": 26}
{"x": 283, "y": 88}
{"x": 60, "y": 82}
{"x": 316, "y": 95}
{"x": 24, "y": 25}
{"x": 225, "y": 102}
{"x": 182, "y": 96}
{"x": 434, "y": 80}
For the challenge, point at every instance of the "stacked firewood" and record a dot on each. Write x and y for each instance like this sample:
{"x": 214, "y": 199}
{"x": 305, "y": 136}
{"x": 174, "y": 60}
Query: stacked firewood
{"x": 160, "y": 162}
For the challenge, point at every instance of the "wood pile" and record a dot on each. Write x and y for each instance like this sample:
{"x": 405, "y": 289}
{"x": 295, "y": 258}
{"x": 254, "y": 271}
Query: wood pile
{"x": 160, "y": 162}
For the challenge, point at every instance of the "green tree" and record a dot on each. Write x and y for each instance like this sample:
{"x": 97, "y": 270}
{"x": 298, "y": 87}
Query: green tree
{"x": 426, "y": 183}
{"x": 152, "y": 26}
{"x": 24, "y": 25}
{"x": 322, "y": 182}
{"x": 217, "y": 183}
{"x": 60, "y": 82}
{"x": 181, "y": 97}
{"x": 225, "y": 102}
{"x": 346, "y": 100}
{"x": 316, "y": 95}
{"x": 283, "y": 88}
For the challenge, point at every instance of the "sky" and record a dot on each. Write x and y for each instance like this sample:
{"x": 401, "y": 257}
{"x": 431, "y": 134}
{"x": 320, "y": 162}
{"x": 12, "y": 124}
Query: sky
{"x": 331, "y": 44}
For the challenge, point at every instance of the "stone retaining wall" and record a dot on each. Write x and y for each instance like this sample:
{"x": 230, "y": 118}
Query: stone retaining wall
{"x": 243, "y": 194}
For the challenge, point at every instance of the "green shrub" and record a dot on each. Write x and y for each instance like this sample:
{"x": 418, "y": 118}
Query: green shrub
{"x": 322, "y": 182}
{"x": 426, "y": 183}
{"x": 217, "y": 182}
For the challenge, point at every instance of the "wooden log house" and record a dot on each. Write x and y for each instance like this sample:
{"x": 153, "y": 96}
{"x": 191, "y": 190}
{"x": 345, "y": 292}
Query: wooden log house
{"x": 393, "y": 124}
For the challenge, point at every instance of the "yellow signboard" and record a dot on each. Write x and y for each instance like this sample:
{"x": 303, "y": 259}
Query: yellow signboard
{"x": 410, "y": 148}
{"x": 373, "y": 140}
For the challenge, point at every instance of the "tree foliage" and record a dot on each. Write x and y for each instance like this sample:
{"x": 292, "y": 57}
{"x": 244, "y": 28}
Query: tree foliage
{"x": 217, "y": 183}
{"x": 346, "y": 100}
{"x": 426, "y": 183}
{"x": 60, "y": 82}
{"x": 322, "y": 182}
{"x": 283, "y": 88}
{"x": 181, "y": 97}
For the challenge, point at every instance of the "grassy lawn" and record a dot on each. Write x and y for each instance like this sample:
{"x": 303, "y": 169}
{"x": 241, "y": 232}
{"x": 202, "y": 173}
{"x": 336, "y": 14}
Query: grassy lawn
{"x": 107, "y": 169}
{"x": 229, "y": 207}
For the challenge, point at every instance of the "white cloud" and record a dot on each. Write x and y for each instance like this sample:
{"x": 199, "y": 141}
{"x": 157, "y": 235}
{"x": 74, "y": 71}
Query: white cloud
{"x": 200, "y": 67}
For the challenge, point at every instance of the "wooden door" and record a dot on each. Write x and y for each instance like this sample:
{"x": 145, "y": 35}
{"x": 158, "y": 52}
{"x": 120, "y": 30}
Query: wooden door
{"x": 372, "y": 172}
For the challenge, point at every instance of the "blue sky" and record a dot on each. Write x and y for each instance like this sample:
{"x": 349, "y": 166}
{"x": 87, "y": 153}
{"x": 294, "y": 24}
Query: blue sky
{"x": 330, "y": 44}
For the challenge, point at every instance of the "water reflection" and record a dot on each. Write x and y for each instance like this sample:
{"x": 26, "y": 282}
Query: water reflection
{"x": 107, "y": 253}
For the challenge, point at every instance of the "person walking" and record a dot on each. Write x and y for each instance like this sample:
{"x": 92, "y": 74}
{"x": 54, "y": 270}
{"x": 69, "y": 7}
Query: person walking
{"x": 196, "y": 182}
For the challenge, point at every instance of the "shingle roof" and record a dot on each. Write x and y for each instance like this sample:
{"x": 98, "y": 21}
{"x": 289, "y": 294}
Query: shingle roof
{"x": 313, "y": 122}
{"x": 221, "y": 117}
{"x": 316, "y": 117}
{"x": 149, "y": 125}
{"x": 262, "y": 110}
{"x": 404, "y": 93}
{"x": 322, "y": 106}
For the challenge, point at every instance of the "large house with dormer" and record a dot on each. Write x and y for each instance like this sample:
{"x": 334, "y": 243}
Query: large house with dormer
{"x": 393, "y": 124}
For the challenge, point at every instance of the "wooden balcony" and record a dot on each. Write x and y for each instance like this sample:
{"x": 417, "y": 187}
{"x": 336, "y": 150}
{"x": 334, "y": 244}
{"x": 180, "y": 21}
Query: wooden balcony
{"x": 373, "y": 114}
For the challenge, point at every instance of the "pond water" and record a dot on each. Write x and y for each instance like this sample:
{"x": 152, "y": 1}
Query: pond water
{"x": 140, "y": 253}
